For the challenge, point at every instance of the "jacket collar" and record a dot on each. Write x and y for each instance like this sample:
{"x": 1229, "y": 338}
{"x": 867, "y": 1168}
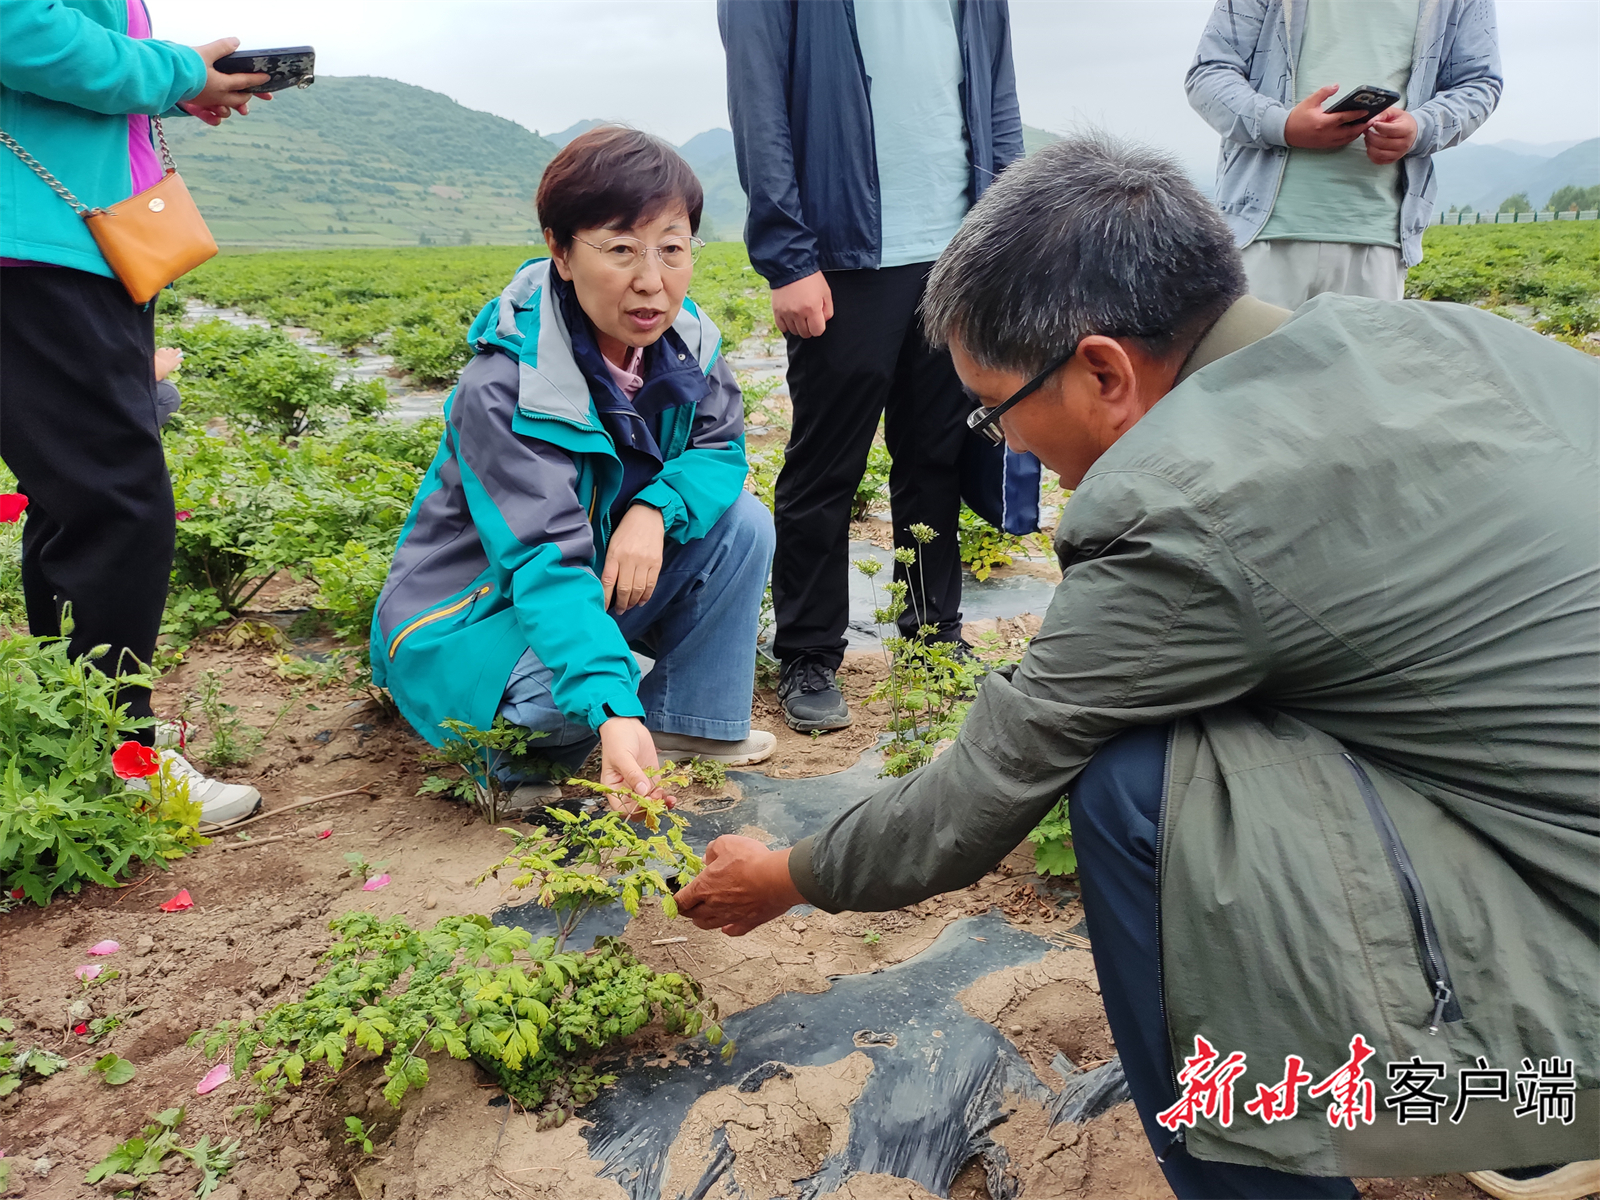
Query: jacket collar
{"x": 526, "y": 322}
{"x": 1247, "y": 320}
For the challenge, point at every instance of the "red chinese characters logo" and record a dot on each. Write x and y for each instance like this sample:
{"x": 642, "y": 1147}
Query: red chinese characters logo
{"x": 1353, "y": 1093}
{"x": 1207, "y": 1088}
{"x": 1282, "y": 1101}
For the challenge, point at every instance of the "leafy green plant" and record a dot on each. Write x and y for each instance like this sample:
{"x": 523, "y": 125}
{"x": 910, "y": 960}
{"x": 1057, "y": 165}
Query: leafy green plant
{"x": 232, "y": 741}
{"x": 65, "y": 817}
{"x": 355, "y": 1134}
{"x": 348, "y": 586}
{"x": 1052, "y": 843}
{"x": 115, "y": 1070}
{"x": 17, "y": 1065}
{"x": 757, "y": 389}
{"x": 871, "y": 937}
{"x": 524, "y": 1009}
{"x": 482, "y": 754}
{"x": 264, "y": 382}
{"x": 929, "y": 683}
{"x": 706, "y": 772}
{"x": 874, "y": 485}
{"x": 983, "y": 547}
{"x": 765, "y": 466}
{"x": 360, "y": 868}
{"x": 142, "y": 1156}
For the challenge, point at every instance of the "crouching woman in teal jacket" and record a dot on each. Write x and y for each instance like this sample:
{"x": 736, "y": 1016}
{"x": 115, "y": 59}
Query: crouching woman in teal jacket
{"x": 587, "y": 497}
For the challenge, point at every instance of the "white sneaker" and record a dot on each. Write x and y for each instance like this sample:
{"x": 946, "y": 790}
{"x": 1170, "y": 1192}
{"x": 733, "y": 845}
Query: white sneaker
{"x": 220, "y": 803}
{"x": 172, "y": 735}
{"x": 680, "y": 747}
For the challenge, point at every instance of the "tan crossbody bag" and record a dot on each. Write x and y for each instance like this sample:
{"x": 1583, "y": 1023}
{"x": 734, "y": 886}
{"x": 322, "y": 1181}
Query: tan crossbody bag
{"x": 149, "y": 239}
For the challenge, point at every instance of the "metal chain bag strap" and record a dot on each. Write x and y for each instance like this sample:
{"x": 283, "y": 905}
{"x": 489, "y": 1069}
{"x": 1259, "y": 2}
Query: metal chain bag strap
{"x": 149, "y": 239}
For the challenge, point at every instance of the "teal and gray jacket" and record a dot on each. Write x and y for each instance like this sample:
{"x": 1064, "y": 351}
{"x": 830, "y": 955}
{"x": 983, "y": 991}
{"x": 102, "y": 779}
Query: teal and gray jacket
{"x": 506, "y": 539}
{"x": 1243, "y": 84}
{"x": 69, "y": 77}
{"x": 1356, "y": 564}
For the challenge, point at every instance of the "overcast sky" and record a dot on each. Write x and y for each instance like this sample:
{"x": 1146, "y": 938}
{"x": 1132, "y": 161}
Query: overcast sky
{"x": 658, "y": 64}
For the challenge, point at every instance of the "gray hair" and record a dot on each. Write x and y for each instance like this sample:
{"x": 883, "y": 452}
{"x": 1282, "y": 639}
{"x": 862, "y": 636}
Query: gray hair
{"x": 1086, "y": 236}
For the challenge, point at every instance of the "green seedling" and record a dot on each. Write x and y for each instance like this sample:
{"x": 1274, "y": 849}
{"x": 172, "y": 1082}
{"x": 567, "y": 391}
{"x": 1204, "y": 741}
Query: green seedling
{"x": 360, "y": 868}
{"x": 142, "y": 1156}
{"x": 355, "y": 1134}
{"x": 114, "y": 1070}
{"x": 483, "y": 756}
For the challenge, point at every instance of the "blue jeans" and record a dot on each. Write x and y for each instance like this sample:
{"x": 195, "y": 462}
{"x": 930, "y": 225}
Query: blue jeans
{"x": 699, "y": 625}
{"x": 1115, "y": 807}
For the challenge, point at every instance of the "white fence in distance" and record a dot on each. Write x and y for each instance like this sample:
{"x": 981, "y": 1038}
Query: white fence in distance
{"x": 1505, "y": 218}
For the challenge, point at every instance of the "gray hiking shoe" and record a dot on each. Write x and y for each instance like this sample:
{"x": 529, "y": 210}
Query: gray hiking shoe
{"x": 680, "y": 747}
{"x": 810, "y": 698}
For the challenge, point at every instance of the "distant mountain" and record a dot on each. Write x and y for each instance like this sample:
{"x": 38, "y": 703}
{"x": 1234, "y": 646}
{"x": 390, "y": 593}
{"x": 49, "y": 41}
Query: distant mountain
{"x": 1481, "y": 176}
{"x": 571, "y": 131}
{"x": 1537, "y": 149}
{"x": 705, "y": 149}
{"x": 1034, "y": 138}
{"x": 362, "y": 161}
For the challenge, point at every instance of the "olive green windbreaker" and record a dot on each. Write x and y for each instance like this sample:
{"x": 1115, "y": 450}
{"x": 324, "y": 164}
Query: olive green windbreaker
{"x": 1356, "y": 562}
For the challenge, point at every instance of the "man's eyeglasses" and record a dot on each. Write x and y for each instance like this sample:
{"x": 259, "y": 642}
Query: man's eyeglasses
{"x": 626, "y": 253}
{"x": 987, "y": 420}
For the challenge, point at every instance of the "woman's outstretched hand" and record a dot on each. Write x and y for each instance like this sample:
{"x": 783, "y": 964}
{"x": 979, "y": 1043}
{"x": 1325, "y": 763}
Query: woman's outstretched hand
{"x": 626, "y": 749}
{"x": 744, "y": 885}
{"x": 633, "y": 559}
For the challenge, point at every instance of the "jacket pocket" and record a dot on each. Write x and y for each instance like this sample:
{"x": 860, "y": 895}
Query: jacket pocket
{"x": 438, "y": 614}
{"x": 1430, "y": 951}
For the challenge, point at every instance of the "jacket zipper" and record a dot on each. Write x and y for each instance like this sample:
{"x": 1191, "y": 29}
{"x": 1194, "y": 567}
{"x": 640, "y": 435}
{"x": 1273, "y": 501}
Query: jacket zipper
{"x": 1161, "y": 983}
{"x": 437, "y": 614}
{"x": 1434, "y": 971}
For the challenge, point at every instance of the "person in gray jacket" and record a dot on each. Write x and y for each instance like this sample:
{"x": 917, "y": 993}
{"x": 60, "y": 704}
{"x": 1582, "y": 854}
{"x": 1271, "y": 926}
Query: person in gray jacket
{"x": 1337, "y": 202}
{"x": 1322, "y": 679}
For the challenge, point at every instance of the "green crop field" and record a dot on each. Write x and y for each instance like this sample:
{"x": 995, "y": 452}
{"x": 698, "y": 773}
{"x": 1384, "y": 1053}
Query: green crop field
{"x": 1550, "y": 271}
{"x": 419, "y": 301}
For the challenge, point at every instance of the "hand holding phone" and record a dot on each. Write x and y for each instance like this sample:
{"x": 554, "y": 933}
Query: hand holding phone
{"x": 1368, "y": 99}
{"x": 1310, "y": 128}
{"x": 286, "y": 66}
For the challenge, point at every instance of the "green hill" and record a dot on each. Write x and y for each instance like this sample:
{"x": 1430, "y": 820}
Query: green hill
{"x": 362, "y": 161}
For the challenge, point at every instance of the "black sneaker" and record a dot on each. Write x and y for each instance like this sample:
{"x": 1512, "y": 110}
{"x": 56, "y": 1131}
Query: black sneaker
{"x": 810, "y": 698}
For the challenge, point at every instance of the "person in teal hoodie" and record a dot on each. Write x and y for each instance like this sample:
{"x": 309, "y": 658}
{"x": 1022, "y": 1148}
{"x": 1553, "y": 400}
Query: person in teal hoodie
{"x": 587, "y": 499}
{"x": 79, "y": 82}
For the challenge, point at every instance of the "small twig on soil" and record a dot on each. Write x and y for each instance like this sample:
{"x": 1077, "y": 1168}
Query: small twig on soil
{"x": 277, "y": 837}
{"x": 668, "y": 941}
{"x": 365, "y": 787}
{"x": 131, "y": 886}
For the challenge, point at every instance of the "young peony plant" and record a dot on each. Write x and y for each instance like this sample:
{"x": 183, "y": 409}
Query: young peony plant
{"x": 532, "y": 1013}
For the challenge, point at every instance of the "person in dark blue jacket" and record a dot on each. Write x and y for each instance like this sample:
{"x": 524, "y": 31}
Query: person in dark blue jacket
{"x": 863, "y": 131}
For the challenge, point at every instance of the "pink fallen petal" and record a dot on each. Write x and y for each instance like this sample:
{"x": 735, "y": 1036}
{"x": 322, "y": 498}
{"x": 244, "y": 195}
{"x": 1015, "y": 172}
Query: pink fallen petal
{"x": 87, "y": 972}
{"x": 325, "y": 833}
{"x": 179, "y": 902}
{"x": 215, "y": 1078}
{"x": 106, "y": 947}
{"x": 81, "y": 1028}
{"x": 376, "y": 882}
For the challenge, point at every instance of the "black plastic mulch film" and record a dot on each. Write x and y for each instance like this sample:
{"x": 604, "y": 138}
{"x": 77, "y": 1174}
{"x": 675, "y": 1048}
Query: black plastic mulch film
{"x": 940, "y": 1077}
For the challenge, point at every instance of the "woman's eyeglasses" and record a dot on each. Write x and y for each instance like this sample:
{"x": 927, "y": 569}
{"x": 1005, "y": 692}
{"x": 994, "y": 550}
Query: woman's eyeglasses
{"x": 627, "y": 254}
{"x": 987, "y": 420}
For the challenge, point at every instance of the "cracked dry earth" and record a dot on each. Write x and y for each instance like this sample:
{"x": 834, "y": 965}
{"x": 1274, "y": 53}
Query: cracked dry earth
{"x": 260, "y": 922}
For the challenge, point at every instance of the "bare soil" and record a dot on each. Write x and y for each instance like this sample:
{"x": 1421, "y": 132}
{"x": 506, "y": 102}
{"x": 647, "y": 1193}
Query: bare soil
{"x": 260, "y": 922}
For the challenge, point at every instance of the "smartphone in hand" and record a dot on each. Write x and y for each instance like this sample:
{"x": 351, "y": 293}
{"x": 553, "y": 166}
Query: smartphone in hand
{"x": 289, "y": 66}
{"x": 1368, "y": 98}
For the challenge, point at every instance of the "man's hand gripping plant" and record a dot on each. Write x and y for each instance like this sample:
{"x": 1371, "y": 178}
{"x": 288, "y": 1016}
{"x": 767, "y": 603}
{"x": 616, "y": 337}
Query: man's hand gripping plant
{"x": 527, "y": 1011}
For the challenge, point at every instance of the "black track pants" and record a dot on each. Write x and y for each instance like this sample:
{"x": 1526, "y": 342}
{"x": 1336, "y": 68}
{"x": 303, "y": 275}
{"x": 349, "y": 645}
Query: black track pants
{"x": 871, "y": 360}
{"x": 78, "y": 429}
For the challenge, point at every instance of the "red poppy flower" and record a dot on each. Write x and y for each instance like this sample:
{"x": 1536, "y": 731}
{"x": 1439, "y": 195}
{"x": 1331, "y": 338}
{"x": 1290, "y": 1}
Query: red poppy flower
{"x": 183, "y": 514}
{"x": 133, "y": 761}
{"x": 11, "y": 506}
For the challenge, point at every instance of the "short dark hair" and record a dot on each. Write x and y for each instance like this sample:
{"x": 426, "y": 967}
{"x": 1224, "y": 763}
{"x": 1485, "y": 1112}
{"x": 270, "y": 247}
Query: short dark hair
{"x": 1086, "y": 236}
{"x": 610, "y": 177}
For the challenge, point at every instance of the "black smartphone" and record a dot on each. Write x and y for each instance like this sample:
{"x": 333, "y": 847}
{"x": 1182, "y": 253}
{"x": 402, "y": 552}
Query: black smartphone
{"x": 1368, "y": 98}
{"x": 289, "y": 66}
